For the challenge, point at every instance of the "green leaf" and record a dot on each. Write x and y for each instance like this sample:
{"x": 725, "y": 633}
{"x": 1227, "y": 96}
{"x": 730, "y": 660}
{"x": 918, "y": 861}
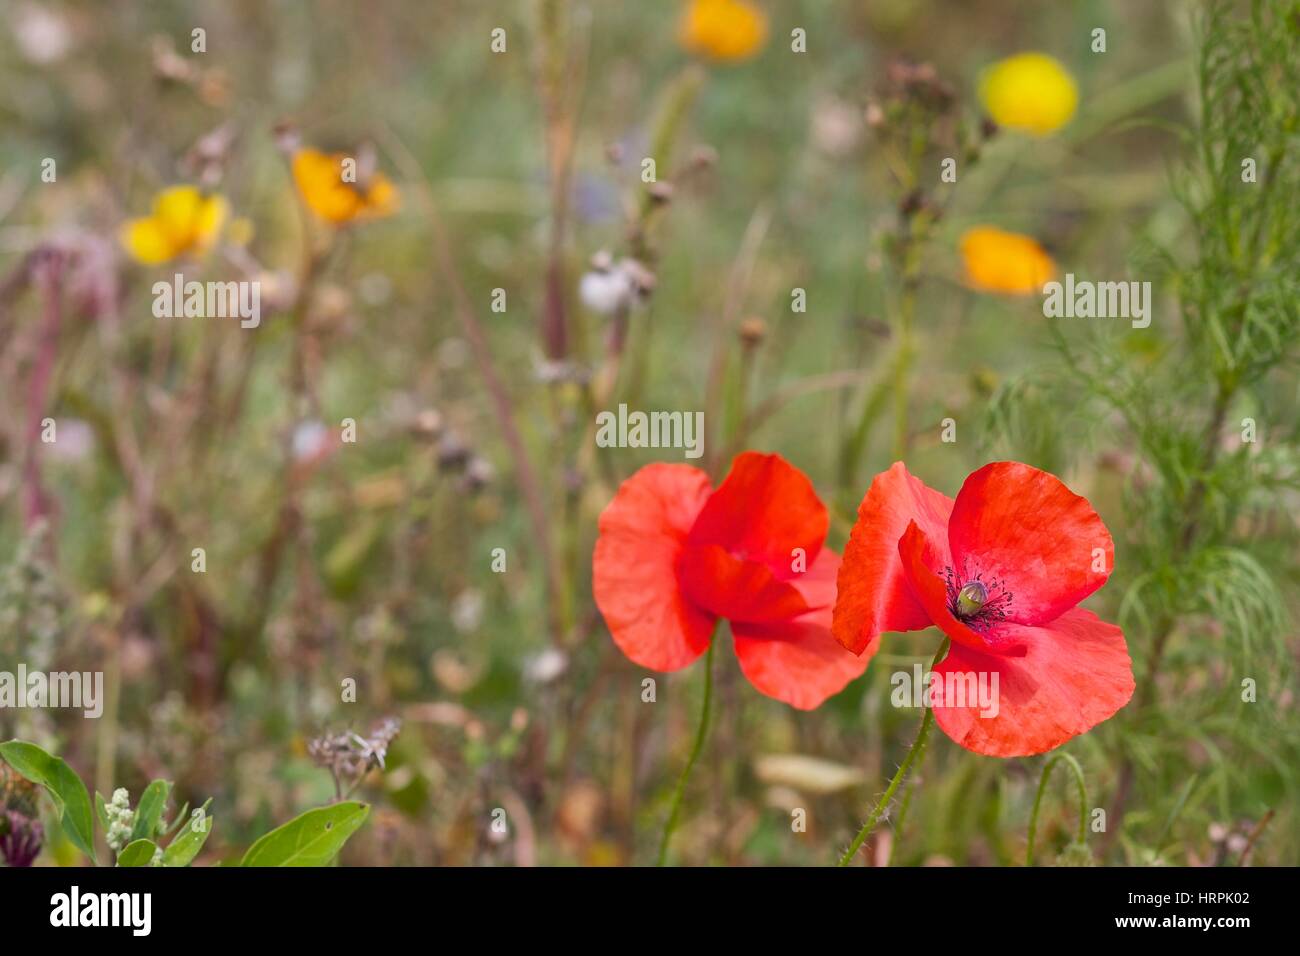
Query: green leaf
{"x": 186, "y": 846}
{"x": 62, "y": 784}
{"x": 137, "y": 853}
{"x": 150, "y": 809}
{"x": 101, "y": 811}
{"x": 313, "y": 839}
{"x": 181, "y": 815}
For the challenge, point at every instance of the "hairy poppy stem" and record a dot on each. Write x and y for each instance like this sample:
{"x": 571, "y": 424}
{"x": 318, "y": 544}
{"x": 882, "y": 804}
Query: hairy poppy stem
{"x": 914, "y": 755}
{"x": 700, "y": 733}
{"x": 1077, "y": 771}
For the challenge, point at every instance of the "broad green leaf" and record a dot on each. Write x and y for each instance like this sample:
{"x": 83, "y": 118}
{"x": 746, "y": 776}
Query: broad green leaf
{"x": 312, "y": 839}
{"x": 62, "y": 784}
{"x": 137, "y": 853}
{"x": 186, "y": 846}
{"x": 150, "y": 809}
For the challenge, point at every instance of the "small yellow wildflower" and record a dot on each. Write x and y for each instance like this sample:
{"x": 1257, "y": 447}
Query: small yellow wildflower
{"x": 1031, "y": 92}
{"x": 321, "y": 183}
{"x": 1007, "y": 262}
{"x": 183, "y": 221}
{"x": 724, "y": 30}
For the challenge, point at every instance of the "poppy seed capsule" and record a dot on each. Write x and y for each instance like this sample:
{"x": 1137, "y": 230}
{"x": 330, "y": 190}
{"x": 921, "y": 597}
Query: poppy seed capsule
{"x": 971, "y": 598}
{"x": 752, "y": 331}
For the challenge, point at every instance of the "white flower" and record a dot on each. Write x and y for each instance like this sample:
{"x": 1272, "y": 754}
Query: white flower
{"x": 120, "y": 819}
{"x": 610, "y": 287}
{"x": 606, "y": 293}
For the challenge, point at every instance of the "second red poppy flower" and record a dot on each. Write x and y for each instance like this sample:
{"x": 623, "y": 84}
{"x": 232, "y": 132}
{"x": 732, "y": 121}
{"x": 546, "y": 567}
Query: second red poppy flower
{"x": 675, "y": 555}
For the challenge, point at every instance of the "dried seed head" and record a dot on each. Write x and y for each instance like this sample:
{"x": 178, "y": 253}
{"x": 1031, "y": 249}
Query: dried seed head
{"x": 704, "y": 157}
{"x": 912, "y": 203}
{"x": 643, "y": 280}
{"x": 429, "y": 423}
{"x": 452, "y": 452}
{"x": 348, "y": 755}
{"x": 661, "y": 192}
{"x": 478, "y": 475}
{"x": 752, "y": 331}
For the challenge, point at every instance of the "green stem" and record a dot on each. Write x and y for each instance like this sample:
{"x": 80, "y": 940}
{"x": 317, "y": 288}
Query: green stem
{"x": 1077, "y": 772}
{"x": 701, "y": 733}
{"x": 902, "y": 369}
{"x": 674, "y": 107}
{"x": 914, "y": 754}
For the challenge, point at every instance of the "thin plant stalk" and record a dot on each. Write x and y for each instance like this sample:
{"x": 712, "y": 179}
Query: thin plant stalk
{"x": 534, "y": 494}
{"x": 903, "y": 365}
{"x": 914, "y": 755}
{"x": 701, "y": 732}
{"x": 1077, "y": 772}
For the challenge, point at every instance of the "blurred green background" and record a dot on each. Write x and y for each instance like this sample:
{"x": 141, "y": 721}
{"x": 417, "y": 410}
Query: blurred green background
{"x": 374, "y": 562}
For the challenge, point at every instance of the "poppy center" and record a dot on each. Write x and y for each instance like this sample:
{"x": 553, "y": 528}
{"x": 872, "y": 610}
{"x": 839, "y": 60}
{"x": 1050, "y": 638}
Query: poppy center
{"x": 976, "y": 600}
{"x": 971, "y": 598}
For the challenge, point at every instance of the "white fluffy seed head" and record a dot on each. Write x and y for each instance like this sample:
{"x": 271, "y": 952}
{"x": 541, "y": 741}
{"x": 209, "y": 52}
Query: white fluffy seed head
{"x": 607, "y": 292}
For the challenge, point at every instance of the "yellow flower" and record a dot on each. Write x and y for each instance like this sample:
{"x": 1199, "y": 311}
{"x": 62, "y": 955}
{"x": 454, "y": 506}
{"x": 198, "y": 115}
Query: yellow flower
{"x": 320, "y": 180}
{"x": 723, "y": 30}
{"x": 1030, "y": 92}
{"x": 184, "y": 221}
{"x": 998, "y": 261}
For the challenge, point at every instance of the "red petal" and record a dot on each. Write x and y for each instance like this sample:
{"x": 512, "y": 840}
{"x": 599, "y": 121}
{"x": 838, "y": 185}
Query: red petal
{"x": 817, "y": 584}
{"x": 1075, "y": 674}
{"x": 738, "y": 590}
{"x": 873, "y": 593}
{"x": 1025, "y": 528}
{"x": 763, "y": 511}
{"x": 921, "y": 563}
{"x": 798, "y": 661}
{"x": 634, "y": 569}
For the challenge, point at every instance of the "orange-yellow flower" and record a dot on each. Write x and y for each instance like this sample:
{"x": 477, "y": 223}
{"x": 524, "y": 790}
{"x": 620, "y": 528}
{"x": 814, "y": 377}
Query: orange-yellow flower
{"x": 1031, "y": 92}
{"x": 325, "y": 185}
{"x": 724, "y": 30}
{"x": 184, "y": 221}
{"x": 1007, "y": 262}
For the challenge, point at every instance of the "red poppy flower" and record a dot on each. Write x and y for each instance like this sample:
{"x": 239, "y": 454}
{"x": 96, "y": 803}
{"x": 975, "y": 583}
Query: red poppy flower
{"x": 1000, "y": 571}
{"x": 673, "y": 556}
